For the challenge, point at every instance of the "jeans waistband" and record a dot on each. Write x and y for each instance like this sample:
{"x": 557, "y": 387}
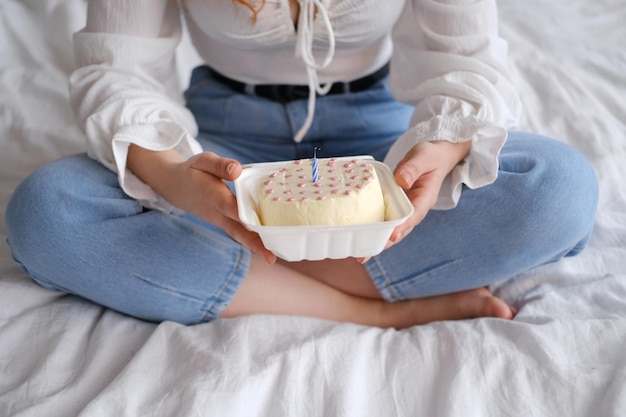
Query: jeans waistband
{"x": 284, "y": 93}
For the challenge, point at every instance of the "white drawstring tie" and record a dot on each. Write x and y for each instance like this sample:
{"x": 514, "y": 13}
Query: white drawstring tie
{"x": 304, "y": 50}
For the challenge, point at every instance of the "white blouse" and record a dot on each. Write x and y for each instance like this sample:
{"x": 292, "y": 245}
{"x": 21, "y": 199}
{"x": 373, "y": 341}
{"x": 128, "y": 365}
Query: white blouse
{"x": 446, "y": 60}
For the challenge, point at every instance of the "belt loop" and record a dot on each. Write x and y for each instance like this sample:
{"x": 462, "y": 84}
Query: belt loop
{"x": 250, "y": 89}
{"x": 346, "y": 87}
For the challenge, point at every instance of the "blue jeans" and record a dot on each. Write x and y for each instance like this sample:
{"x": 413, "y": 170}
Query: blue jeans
{"x": 73, "y": 229}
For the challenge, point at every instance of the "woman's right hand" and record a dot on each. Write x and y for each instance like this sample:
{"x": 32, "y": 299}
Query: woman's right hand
{"x": 196, "y": 185}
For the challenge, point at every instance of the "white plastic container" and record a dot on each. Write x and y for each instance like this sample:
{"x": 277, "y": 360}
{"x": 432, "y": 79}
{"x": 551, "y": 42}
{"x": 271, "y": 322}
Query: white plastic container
{"x": 295, "y": 243}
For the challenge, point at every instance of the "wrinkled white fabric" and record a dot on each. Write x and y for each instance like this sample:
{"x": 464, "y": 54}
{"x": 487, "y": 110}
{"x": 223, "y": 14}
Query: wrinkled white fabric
{"x": 448, "y": 61}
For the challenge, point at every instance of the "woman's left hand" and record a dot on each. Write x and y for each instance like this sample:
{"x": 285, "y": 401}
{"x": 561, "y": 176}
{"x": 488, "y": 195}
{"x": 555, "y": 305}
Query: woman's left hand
{"x": 420, "y": 173}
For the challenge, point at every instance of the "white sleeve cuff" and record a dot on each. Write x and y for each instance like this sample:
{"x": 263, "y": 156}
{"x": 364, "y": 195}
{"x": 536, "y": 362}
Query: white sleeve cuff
{"x": 159, "y": 136}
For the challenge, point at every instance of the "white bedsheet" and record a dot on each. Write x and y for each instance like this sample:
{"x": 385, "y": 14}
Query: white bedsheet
{"x": 563, "y": 355}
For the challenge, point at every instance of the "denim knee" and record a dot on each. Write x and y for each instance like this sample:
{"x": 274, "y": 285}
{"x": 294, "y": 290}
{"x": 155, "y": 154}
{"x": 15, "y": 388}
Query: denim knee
{"x": 46, "y": 208}
{"x": 24, "y": 219}
{"x": 31, "y": 216}
{"x": 563, "y": 194}
{"x": 580, "y": 194}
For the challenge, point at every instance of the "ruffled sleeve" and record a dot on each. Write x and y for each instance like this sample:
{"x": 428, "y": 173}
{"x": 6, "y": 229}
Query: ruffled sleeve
{"x": 450, "y": 64}
{"x": 125, "y": 89}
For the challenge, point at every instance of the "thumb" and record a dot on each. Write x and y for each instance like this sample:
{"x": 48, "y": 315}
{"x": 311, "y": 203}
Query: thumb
{"x": 407, "y": 172}
{"x": 225, "y": 168}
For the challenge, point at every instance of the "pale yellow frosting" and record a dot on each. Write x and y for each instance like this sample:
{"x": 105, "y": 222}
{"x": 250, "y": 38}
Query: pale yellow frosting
{"x": 346, "y": 192}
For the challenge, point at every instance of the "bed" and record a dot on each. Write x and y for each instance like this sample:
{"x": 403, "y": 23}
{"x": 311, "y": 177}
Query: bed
{"x": 563, "y": 355}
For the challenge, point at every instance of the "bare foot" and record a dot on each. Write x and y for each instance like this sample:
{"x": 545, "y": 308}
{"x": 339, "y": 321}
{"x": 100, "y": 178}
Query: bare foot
{"x": 482, "y": 303}
{"x": 468, "y": 304}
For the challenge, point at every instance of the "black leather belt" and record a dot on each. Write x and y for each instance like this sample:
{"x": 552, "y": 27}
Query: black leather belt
{"x": 284, "y": 93}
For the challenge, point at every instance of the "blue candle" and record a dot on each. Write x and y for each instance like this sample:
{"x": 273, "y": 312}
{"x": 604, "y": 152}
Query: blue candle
{"x": 315, "y": 163}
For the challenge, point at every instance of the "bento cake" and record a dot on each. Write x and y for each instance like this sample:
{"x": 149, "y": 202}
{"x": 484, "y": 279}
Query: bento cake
{"x": 346, "y": 192}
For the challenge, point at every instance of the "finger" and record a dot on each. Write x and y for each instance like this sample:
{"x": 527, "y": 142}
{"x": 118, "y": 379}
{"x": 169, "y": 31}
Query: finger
{"x": 225, "y": 202}
{"x": 411, "y": 167}
{"x": 423, "y": 197}
{"x": 249, "y": 239}
{"x": 400, "y": 232}
{"x": 396, "y": 233}
{"x": 397, "y": 236}
{"x": 226, "y": 216}
{"x": 406, "y": 174}
{"x": 423, "y": 200}
{"x": 224, "y": 168}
